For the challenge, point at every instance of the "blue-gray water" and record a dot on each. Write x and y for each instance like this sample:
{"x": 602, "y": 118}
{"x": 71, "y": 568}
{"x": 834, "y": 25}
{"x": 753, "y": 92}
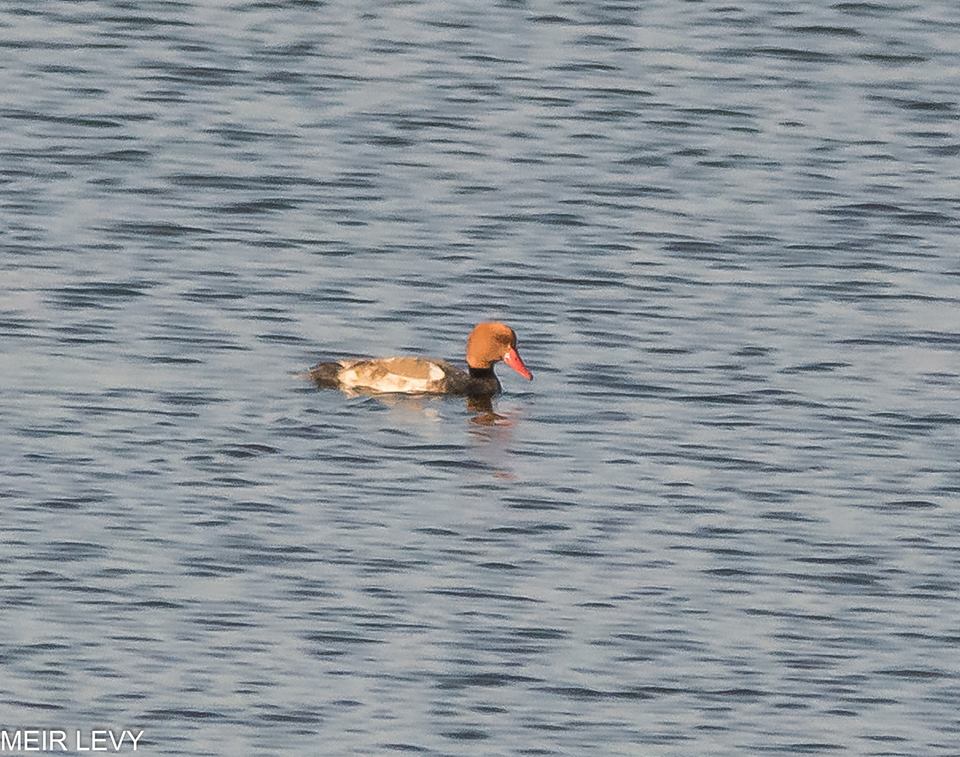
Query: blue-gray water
{"x": 724, "y": 518}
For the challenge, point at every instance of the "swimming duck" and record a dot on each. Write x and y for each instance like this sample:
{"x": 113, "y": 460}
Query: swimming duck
{"x": 487, "y": 344}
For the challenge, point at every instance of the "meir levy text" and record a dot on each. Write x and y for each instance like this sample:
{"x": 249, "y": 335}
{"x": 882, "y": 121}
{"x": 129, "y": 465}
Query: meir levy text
{"x": 76, "y": 740}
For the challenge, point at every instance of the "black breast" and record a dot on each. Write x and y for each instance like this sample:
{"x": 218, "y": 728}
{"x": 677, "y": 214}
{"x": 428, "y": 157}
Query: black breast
{"x": 479, "y": 382}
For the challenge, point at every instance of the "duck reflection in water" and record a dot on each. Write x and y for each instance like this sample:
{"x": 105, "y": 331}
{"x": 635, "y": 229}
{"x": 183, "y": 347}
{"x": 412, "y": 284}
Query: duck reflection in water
{"x": 422, "y": 405}
{"x": 482, "y": 408}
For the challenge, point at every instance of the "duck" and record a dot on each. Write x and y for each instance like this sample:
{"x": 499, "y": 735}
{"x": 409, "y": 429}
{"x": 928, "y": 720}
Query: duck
{"x": 488, "y": 343}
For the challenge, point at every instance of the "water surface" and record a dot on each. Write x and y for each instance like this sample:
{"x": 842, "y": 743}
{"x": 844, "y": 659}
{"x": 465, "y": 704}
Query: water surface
{"x": 722, "y": 520}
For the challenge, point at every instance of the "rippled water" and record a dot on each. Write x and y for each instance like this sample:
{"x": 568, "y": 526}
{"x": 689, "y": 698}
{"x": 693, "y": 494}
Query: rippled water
{"x": 724, "y": 517}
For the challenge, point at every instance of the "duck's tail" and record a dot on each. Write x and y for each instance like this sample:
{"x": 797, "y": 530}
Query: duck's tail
{"x": 323, "y": 374}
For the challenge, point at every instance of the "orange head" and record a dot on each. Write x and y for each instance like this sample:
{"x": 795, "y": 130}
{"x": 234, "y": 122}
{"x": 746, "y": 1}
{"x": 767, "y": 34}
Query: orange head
{"x": 491, "y": 342}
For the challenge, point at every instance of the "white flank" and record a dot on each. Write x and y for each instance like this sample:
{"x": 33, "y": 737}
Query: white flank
{"x": 394, "y": 382}
{"x": 391, "y": 383}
